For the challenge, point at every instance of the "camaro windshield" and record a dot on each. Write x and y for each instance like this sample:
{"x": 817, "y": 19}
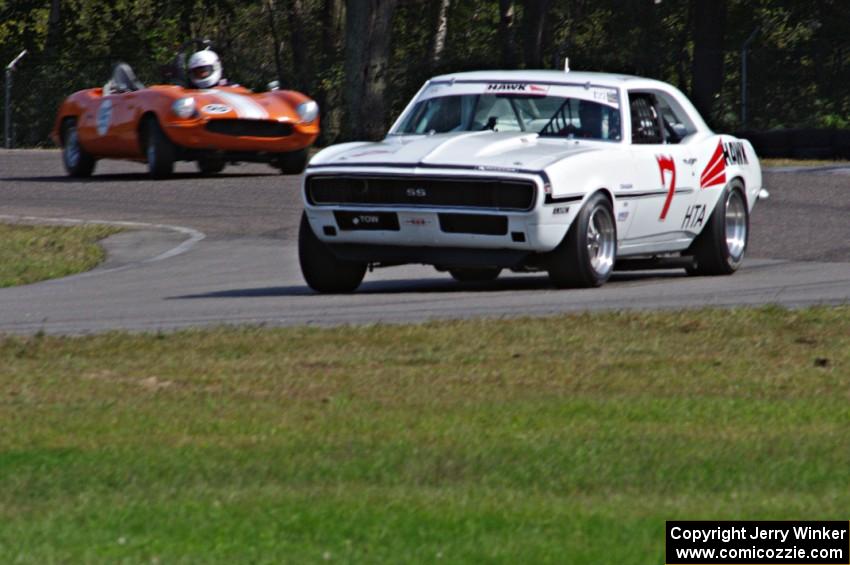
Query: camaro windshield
{"x": 550, "y": 116}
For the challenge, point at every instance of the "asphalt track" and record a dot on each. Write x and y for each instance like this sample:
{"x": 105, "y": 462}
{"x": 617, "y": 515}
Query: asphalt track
{"x": 222, "y": 250}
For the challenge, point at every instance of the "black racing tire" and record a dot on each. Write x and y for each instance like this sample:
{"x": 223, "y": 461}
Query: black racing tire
{"x": 78, "y": 162}
{"x": 475, "y": 274}
{"x": 719, "y": 249}
{"x": 210, "y": 165}
{"x": 586, "y": 256}
{"x": 292, "y": 163}
{"x": 159, "y": 150}
{"x": 321, "y": 269}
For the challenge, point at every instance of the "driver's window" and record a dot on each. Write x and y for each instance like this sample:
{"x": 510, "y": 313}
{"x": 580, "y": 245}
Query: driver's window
{"x": 675, "y": 120}
{"x": 646, "y": 127}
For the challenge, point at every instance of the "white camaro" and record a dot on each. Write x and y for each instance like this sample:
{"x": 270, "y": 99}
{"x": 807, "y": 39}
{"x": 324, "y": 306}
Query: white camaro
{"x": 572, "y": 173}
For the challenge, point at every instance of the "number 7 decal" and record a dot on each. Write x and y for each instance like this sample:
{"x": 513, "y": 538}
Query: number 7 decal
{"x": 666, "y": 164}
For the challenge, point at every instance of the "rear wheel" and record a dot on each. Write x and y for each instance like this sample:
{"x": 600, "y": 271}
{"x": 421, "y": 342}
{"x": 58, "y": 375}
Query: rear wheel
{"x": 321, "y": 268}
{"x": 159, "y": 150}
{"x": 78, "y": 163}
{"x": 292, "y": 163}
{"x": 585, "y": 258}
{"x": 719, "y": 249}
{"x": 210, "y": 165}
{"x": 477, "y": 274}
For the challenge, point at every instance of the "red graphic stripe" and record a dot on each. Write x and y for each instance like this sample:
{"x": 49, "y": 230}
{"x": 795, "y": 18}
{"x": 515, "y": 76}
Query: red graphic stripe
{"x": 665, "y": 163}
{"x": 716, "y": 166}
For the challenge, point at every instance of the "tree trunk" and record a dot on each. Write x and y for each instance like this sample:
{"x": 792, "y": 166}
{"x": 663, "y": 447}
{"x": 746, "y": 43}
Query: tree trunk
{"x": 330, "y": 99}
{"x": 707, "y": 70}
{"x": 533, "y": 18}
{"x": 442, "y": 32}
{"x": 367, "y": 50}
{"x": 507, "y": 33}
{"x": 270, "y": 10}
{"x": 302, "y": 65}
{"x": 54, "y": 29}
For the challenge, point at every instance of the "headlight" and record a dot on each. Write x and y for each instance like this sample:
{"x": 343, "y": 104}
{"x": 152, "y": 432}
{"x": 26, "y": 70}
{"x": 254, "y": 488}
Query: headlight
{"x": 184, "y": 107}
{"x": 308, "y": 111}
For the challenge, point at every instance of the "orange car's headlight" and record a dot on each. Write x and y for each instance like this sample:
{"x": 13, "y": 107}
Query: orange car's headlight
{"x": 184, "y": 107}
{"x": 308, "y": 111}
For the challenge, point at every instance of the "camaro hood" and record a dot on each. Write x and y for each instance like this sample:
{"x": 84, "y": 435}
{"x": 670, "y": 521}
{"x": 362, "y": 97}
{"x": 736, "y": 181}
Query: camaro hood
{"x": 487, "y": 149}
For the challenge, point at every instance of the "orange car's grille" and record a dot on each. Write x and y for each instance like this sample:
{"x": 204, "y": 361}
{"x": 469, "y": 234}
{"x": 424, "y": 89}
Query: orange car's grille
{"x": 249, "y": 128}
{"x": 469, "y": 192}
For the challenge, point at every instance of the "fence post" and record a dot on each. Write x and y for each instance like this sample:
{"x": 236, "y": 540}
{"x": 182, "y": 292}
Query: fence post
{"x": 10, "y": 68}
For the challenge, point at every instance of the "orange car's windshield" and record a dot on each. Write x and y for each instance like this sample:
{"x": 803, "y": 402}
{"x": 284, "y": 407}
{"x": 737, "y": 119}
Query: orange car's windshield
{"x": 552, "y": 116}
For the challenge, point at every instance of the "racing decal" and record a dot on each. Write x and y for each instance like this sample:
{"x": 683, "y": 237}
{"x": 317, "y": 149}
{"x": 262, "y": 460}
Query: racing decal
{"x": 104, "y": 116}
{"x": 715, "y": 171}
{"x": 244, "y": 106}
{"x": 417, "y": 222}
{"x": 526, "y": 88}
{"x": 666, "y": 164}
{"x": 216, "y": 109}
{"x": 694, "y": 216}
{"x": 734, "y": 153}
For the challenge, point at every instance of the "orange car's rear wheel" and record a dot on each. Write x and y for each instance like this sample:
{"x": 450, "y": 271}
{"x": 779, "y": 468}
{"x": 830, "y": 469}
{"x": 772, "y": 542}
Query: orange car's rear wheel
{"x": 292, "y": 163}
{"x": 78, "y": 163}
{"x": 159, "y": 150}
{"x": 210, "y": 165}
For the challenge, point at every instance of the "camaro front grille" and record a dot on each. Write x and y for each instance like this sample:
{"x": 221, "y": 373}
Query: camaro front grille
{"x": 249, "y": 128}
{"x": 483, "y": 193}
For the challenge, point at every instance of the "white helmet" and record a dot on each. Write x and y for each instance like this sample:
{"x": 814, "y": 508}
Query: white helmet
{"x": 204, "y": 69}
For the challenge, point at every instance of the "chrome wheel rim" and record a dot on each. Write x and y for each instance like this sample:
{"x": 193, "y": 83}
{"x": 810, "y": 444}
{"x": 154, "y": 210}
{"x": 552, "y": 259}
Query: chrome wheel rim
{"x": 72, "y": 147}
{"x": 601, "y": 241}
{"x": 736, "y": 225}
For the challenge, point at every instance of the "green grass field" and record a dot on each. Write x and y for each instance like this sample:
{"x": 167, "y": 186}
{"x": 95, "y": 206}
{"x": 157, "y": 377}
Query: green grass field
{"x": 30, "y": 254}
{"x": 561, "y": 440}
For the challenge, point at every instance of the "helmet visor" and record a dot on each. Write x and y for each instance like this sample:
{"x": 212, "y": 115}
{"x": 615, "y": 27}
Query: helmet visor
{"x": 202, "y": 72}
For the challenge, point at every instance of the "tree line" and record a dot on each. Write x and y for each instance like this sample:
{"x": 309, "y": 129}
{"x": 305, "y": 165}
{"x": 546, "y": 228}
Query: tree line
{"x": 363, "y": 59}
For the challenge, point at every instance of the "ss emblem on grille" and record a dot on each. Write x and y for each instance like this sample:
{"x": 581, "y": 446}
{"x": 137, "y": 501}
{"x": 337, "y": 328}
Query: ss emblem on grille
{"x": 416, "y": 192}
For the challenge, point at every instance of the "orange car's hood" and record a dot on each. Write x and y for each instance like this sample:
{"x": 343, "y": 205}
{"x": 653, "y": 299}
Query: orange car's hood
{"x": 237, "y": 102}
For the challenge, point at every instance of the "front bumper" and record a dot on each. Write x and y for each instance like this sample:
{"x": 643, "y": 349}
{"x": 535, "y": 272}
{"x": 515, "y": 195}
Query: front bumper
{"x": 392, "y": 232}
{"x": 193, "y": 134}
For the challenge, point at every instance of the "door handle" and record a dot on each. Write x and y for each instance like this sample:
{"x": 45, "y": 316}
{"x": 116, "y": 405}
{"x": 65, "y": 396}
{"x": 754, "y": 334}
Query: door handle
{"x": 690, "y": 161}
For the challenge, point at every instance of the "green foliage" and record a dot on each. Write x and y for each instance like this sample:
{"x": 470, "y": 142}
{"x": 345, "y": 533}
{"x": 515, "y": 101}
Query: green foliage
{"x": 798, "y": 63}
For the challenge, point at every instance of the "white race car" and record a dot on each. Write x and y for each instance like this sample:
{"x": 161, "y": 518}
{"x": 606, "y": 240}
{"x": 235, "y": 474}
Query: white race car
{"x": 572, "y": 173}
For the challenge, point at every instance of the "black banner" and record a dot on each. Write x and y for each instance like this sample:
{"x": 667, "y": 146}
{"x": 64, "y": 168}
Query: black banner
{"x": 759, "y": 543}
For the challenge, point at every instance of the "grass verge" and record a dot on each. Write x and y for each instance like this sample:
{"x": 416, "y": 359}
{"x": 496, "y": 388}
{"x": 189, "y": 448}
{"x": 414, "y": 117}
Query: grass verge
{"x": 565, "y": 439}
{"x": 776, "y": 162}
{"x": 30, "y": 254}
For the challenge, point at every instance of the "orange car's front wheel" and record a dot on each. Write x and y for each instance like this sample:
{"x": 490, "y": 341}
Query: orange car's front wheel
{"x": 78, "y": 162}
{"x": 159, "y": 150}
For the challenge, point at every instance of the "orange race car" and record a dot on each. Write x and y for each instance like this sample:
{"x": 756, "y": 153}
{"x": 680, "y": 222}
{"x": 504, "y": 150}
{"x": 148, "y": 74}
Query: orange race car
{"x": 204, "y": 120}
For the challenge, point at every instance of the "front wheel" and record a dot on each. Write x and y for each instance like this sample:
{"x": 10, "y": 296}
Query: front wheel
{"x": 585, "y": 258}
{"x": 159, "y": 150}
{"x": 78, "y": 162}
{"x": 719, "y": 249}
{"x": 321, "y": 268}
